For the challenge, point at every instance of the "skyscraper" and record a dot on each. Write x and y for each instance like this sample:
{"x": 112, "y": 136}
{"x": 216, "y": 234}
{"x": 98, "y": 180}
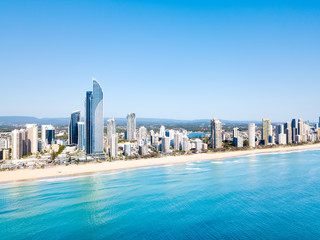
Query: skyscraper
{"x": 111, "y": 129}
{"x": 252, "y": 135}
{"x": 142, "y": 133}
{"x": 32, "y": 138}
{"x": 131, "y": 127}
{"x": 113, "y": 146}
{"x": 216, "y": 133}
{"x": 81, "y": 136}
{"x": 94, "y": 119}
{"x": 15, "y": 136}
{"x": 266, "y": 130}
{"x": 44, "y": 137}
{"x": 288, "y": 132}
{"x": 73, "y": 128}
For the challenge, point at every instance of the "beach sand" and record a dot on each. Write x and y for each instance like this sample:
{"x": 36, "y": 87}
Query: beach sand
{"x": 90, "y": 168}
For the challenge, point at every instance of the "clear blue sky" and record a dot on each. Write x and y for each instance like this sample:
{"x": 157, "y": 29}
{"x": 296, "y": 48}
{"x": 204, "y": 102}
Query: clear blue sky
{"x": 192, "y": 59}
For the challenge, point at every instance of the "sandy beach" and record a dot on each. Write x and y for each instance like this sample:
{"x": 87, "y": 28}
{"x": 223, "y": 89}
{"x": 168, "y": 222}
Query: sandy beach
{"x": 90, "y": 168}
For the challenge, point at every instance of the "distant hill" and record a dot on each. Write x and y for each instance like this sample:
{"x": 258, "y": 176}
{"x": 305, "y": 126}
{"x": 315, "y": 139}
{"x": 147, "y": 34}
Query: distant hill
{"x": 21, "y": 120}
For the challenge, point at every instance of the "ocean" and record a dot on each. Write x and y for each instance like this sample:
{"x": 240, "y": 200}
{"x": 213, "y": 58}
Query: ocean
{"x": 271, "y": 196}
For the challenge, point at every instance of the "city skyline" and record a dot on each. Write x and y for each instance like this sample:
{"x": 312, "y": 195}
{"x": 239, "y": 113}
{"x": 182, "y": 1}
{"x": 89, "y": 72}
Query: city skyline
{"x": 231, "y": 56}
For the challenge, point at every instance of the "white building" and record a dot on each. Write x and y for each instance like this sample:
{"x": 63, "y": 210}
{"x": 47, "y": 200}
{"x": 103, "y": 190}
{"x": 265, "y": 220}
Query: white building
{"x": 111, "y": 129}
{"x": 162, "y": 132}
{"x": 32, "y": 138}
{"x": 177, "y": 140}
{"x": 113, "y": 146}
{"x": 165, "y": 145}
{"x": 186, "y": 146}
{"x": 252, "y": 135}
{"x": 131, "y": 127}
{"x": 142, "y": 133}
{"x": 198, "y": 145}
{"x": 127, "y": 149}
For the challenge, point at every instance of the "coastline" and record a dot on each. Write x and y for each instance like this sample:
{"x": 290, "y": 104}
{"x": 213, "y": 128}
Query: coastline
{"x": 91, "y": 168}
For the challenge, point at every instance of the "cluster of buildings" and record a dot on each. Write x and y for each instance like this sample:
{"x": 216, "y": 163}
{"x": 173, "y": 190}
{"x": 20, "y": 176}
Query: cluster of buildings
{"x": 86, "y": 136}
{"x": 295, "y": 132}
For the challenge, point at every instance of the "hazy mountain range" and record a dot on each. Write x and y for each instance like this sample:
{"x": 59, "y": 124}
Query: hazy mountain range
{"x": 20, "y": 120}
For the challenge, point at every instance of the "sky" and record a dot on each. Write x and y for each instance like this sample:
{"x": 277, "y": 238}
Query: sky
{"x": 191, "y": 59}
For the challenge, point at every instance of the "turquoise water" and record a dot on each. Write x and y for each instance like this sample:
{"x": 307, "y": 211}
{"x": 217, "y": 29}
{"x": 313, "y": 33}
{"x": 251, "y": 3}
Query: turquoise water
{"x": 258, "y": 197}
{"x": 197, "y": 135}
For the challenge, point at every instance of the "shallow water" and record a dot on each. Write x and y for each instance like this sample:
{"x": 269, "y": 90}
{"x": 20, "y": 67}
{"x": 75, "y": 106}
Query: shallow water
{"x": 257, "y": 197}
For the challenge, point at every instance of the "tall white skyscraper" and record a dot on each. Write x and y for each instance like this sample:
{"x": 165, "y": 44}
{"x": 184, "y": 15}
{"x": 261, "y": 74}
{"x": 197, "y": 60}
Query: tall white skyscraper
{"x": 113, "y": 146}
{"x": 177, "y": 140}
{"x": 185, "y": 144}
{"x": 111, "y": 129}
{"x": 131, "y": 127}
{"x": 165, "y": 145}
{"x": 142, "y": 133}
{"x": 15, "y": 138}
{"x": 252, "y": 135}
{"x": 162, "y": 131}
{"x": 216, "y": 133}
{"x": 32, "y": 138}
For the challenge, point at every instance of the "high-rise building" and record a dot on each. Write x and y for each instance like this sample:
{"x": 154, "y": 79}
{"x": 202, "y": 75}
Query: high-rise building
{"x": 178, "y": 140}
{"x": 238, "y": 142}
{"x": 19, "y": 143}
{"x": 252, "y": 135}
{"x": 288, "y": 132}
{"x": 235, "y": 132}
{"x": 165, "y": 145}
{"x": 131, "y": 127}
{"x": 162, "y": 131}
{"x": 94, "y": 119}
{"x": 111, "y": 129}
{"x": 279, "y": 130}
{"x": 216, "y": 133}
{"x": 152, "y": 136}
{"x": 266, "y": 130}
{"x": 142, "y": 133}
{"x": 127, "y": 149}
{"x": 32, "y": 138}
{"x": 113, "y": 150}
{"x": 44, "y": 138}
{"x": 81, "y": 136}
{"x": 15, "y": 138}
{"x": 198, "y": 145}
{"x": 185, "y": 144}
{"x": 73, "y": 128}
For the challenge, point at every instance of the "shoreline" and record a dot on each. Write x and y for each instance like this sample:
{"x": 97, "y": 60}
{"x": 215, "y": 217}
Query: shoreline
{"x": 21, "y": 175}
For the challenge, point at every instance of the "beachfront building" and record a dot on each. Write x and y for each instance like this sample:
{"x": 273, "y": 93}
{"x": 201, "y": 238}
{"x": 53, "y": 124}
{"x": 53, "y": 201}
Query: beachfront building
{"x": 131, "y": 127}
{"x": 252, "y": 135}
{"x": 142, "y": 133}
{"x": 94, "y": 119}
{"x": 81, "y": 136}
{"x": 111, "y": 130}
{"x": 165, "y": 144}
{"x": 198, "y": 145}
{"x": 177, "y": 140}
{"x": 73, "y": 128}
{"x": 47, "y": 135}
{"x": 32, "y": 138}
{"x": 186, "y": 146}
{"x": 127, "y": 149}
{"x": 113, "y": 149}
{"x": 162, "y": 131}
{"x": 266, "y": 130}
{"x": 238, "y": 142}
{"x": 288, "y": 132}
{"x": 216, "y": 133}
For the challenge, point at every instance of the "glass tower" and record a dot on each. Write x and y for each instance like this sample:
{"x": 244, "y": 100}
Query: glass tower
{"x": 94, "y": 119}
{"x": 73, "y": 128}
